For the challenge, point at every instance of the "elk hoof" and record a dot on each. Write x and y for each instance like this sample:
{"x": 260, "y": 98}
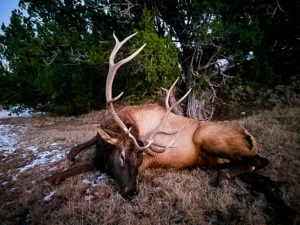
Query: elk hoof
{"x": 251, "y": 168}
{"x": 223, "y": 183}
{"x": 222, "y": 160}
{"x": 223, "y": 178}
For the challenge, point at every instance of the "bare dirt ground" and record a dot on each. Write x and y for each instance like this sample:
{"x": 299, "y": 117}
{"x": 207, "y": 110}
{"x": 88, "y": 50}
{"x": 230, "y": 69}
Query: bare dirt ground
{"x": 32, "y": 148}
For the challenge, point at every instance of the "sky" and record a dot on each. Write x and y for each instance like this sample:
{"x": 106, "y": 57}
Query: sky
{"x": 6, "y": 6}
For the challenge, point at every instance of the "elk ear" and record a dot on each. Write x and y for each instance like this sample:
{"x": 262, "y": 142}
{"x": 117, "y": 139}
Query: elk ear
{"x": 106, "y": 137}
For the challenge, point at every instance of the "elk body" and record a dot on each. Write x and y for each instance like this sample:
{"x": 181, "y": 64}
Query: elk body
{"x": 151, "y": 136}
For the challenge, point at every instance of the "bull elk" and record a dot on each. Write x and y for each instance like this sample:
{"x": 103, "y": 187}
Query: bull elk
{"x": 151, "y": 136}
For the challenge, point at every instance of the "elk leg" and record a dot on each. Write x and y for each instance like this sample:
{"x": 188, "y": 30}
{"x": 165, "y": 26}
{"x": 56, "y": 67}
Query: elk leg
{"x": 236, "y": 168}
{"x": 77, "y": 149}
{"x": 61, "y": 176}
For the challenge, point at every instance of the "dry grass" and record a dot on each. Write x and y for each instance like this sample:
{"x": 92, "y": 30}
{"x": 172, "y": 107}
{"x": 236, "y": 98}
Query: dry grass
{"x": 165, "y": 196}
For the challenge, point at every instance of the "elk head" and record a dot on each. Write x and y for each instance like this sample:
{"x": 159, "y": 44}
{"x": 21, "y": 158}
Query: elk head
{"x": 117, "y": 158}
{"x": 123, "y": 166}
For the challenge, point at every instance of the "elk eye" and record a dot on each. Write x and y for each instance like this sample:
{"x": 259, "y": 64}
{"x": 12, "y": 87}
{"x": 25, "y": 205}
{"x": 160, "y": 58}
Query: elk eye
{"x": 122, "y": 158}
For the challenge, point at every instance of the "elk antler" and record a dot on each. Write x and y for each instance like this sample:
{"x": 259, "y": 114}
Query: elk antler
{"x": 113, "y": 67}
{"x": 168, "y": 92}
{"x": 161, "y": 148}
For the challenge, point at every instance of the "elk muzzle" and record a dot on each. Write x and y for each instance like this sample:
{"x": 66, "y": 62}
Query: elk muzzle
{"x": 122, "y": 165}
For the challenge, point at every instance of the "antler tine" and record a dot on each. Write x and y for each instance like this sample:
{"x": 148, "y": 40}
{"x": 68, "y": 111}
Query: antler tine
{"x": 180, "y": 100}
{"x": 113, "y": 67}
{"x": 168, "y": 111}
{"x": 126, "y": 60}
{"x": 117, "y": 47}
{"x": 157, "y": 129}
{"x": 162, "y": 148}
{"x": 168, "y": 92}
{"x": 115, "y": 98}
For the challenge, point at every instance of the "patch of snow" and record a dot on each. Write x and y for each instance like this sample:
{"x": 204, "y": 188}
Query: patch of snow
{"x": 10, "y": 114}
{"x": 9, "y": 138}
{"x": 33, "y": 149}
{"x": 88, "y": 197}
{"x": 15, "y": 178}
{"x": 97, "y": 173}
{"x": 12, "y": 189}
{"x": 48, "y": 197}
{"x": 4, "y": 183}
{"x": 157, "y": 189}
{"x": 43, "y": 158}
{"x": 86, "y": 181}
{"x": 98, "y": 177}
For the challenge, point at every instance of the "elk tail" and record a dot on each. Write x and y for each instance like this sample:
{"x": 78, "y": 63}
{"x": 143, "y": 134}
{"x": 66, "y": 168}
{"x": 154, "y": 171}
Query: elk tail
{"x": 249, "y": 139}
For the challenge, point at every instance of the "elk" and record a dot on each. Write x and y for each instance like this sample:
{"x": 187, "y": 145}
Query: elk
{"x": 151, "y": 136}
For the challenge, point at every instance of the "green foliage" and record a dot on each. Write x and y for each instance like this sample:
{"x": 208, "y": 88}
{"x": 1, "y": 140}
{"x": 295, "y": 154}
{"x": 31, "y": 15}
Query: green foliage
{"x": 271, "y": 35}
{"x": 259, "y": 72}
{"x": 158, "y": 59}
{"x": 241, "y": 37}
{"x": 200, "y": 86}
{"x": 48, "y": 66}
{"x": 60, "y": 66}
{"x": 21, "y": 51}
{"x": 55, "y": 58}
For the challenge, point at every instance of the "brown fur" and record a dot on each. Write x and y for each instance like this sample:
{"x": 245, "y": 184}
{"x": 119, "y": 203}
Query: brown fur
{"x": 199, "y": 143}
{"x": 202, "y": 144}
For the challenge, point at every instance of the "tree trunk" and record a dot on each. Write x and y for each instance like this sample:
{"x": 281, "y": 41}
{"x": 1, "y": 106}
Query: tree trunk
{"x": 195, "y": 108}
{"x": 199, "y": 109}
